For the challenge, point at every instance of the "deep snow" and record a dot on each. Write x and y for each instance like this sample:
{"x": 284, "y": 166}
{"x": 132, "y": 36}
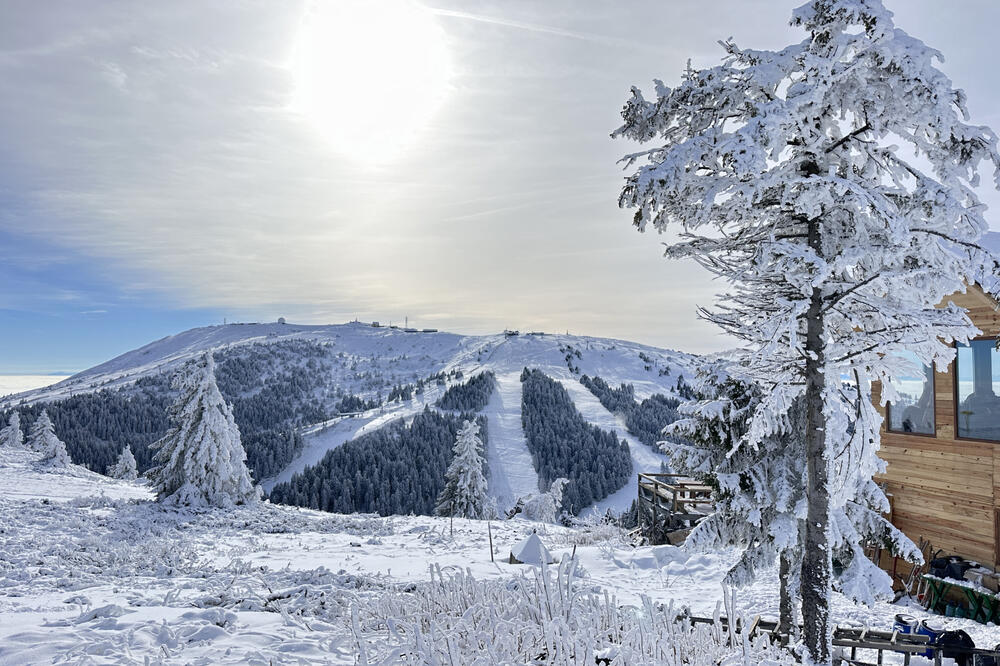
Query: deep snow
{"x": 105, "y": 576}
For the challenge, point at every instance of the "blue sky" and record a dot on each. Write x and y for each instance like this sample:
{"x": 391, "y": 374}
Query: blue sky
{"x": 163, "y": 167}
{"x": 61, "y": 313}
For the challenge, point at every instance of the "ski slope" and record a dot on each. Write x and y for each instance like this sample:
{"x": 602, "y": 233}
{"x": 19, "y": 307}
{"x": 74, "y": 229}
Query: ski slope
{"x": 512, "y": 472}
{"x": 321, "y": 441}
{"x": 644, "y": 459}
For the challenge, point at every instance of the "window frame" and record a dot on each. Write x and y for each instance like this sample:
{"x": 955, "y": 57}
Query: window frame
{"x": 888, "y": 411}
{"x": 954, "y": 364}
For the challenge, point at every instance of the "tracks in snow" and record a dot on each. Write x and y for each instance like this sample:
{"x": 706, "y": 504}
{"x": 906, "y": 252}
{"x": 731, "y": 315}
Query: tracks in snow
{"x": 512, "y": 471}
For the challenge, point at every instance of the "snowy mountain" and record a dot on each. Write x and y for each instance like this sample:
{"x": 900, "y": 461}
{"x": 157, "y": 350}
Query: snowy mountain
{"x": 300, "y": 392}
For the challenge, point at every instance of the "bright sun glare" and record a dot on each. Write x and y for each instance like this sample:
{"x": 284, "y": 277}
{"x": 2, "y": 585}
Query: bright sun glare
{"x": 369, "y": 74}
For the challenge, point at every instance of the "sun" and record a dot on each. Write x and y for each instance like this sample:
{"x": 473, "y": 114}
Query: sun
{"x": 369, "y": 75}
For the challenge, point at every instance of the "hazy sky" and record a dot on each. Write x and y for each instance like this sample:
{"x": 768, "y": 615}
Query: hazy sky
{"x": 169, "y": 164}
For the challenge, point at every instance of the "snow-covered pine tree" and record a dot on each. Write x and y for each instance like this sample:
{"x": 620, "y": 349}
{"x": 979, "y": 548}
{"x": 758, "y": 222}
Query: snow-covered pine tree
{"x": 126, "y": 467}
{"x": 781, "y": 170}
{"x": 201, "y": 460}
{"x": 759, "y": 492}
{"x": 464, "y": 493}
{"x": 37, "y": 430}
{"x": 758, "y": 508}
{"x": 12, "y": 435}
{"x": 42, "y": 438}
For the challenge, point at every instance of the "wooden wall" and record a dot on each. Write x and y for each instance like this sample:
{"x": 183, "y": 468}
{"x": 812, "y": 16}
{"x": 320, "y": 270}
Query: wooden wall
{"x": 945, "y": 489}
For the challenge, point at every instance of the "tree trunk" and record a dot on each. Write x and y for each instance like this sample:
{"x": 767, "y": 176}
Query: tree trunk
{"x": 786, "y": 609}
{"x": 816, "y": 558}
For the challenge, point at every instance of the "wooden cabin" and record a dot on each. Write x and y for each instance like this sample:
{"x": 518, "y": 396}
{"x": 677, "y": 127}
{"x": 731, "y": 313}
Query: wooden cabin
{"x": 942, "y": 445}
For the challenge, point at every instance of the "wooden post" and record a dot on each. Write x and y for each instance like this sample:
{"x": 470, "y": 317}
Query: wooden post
{"x": 489, "y": 530}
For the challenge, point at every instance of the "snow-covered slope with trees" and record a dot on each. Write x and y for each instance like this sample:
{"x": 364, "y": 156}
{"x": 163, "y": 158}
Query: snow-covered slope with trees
{"x": 301, "y": 391}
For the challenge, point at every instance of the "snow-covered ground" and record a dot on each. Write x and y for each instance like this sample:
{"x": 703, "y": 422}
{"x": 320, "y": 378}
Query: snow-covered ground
{"x": 512, "y": 472}
{"x": 106, "y": 576}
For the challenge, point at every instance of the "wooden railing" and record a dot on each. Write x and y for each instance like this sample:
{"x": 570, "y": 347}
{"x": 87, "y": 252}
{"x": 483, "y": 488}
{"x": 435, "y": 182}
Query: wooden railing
{"x": 670, "y": 502}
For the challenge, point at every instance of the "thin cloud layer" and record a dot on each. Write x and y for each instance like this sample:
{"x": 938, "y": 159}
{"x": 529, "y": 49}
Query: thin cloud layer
{"x": 158, "y": 145}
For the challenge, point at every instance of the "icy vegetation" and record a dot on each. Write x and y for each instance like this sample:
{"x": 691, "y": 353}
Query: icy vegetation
{"x": 93, "y": 571}
{"x": 201, "y": 461}
{"x": 831, "y": 184}
{"x": 464, "y": 492}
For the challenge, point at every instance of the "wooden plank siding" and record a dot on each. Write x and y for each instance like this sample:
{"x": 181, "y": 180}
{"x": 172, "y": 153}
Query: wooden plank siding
{"x": 946, "y": 489}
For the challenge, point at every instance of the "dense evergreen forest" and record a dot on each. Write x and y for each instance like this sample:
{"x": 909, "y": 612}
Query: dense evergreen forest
{"x": 97, "y": 426}
{"x": 273, "y": 387}
{"x": 645, "y": 420}
{"x": 397, "y": 469}
{"x": 563, "y": 444}
{"x": 471, "y": 396}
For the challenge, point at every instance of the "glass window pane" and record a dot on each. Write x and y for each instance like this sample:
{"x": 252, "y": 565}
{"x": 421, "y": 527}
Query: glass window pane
{"x": 914, "y": 412}
{"x": 978, "y": 412}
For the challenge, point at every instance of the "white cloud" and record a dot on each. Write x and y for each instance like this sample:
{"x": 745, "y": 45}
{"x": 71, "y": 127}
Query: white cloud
{"x": 159, "y": 143}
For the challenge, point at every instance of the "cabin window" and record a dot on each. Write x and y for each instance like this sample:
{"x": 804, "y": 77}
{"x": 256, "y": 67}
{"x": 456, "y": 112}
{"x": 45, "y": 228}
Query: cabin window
{"x": 978, "y": 390}
{"x": 914, "y": 410}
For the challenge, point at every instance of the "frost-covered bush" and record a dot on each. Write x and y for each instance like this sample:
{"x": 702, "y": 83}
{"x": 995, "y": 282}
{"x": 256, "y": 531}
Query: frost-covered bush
{"x": 564, "y": 445}
{"x": 543, "y": 507}
{"x": 471, "y": 396}
{"x": 549, "y": 616}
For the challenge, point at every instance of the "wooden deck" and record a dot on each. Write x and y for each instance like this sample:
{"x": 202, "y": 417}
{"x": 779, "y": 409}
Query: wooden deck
{"x": 670, "y": 502}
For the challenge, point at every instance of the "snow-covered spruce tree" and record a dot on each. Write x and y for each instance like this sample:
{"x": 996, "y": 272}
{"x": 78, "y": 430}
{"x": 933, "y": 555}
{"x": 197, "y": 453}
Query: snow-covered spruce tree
{"x": 12, "y": 435}
{"x": 37, "y": 431}
{"x": 759, "y": 491}
{"x": 779, "y": 168}
{"x": 464, "y": 492}
{"x": 201, "y": 460}
{"x": 42, "y": 438}
{"x": 125, "y": 468}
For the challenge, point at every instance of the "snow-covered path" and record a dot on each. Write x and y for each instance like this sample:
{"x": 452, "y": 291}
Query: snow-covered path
{"x": 644, "y": 459}
{"x": 512, "y": 472}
